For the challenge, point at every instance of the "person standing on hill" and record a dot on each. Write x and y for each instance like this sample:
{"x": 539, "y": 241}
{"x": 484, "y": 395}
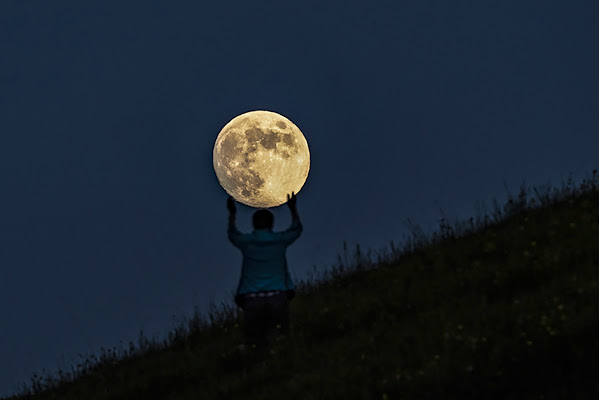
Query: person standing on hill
{"x": 265, "y": 288}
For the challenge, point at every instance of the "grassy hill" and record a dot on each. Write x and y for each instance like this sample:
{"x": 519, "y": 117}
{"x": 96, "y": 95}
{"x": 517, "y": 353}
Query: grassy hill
{"x": 497, "y": 307}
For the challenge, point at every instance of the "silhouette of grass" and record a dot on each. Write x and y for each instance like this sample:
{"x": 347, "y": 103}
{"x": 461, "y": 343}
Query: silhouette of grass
{"x": 503, "y": 306}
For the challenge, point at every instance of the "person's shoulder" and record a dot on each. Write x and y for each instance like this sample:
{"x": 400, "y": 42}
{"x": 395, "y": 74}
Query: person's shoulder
{"x": 294, "y": 229}
{"x": 276, "y": 234}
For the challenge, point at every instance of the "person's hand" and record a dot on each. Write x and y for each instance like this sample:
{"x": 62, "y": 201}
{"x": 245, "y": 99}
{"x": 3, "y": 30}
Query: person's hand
{"x": 231, "y": 205}
{"x": 291, "y": 201}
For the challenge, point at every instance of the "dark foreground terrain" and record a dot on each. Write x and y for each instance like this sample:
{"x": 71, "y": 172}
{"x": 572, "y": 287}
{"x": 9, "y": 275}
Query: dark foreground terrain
{"x": 502, "y": 307}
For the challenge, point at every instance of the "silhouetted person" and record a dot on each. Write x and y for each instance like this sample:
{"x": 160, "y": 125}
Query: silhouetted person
{"x": 265, "y": 288}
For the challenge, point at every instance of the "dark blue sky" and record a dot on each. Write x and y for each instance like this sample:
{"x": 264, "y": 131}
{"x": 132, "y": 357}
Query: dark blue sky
{"x": 111, "y": 216}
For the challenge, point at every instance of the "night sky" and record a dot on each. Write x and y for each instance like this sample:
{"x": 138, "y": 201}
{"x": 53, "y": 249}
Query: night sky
{"x": 112, "y": 219}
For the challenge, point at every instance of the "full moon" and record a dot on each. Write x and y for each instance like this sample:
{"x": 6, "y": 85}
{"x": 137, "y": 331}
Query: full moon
{"x": 259, "y": 157}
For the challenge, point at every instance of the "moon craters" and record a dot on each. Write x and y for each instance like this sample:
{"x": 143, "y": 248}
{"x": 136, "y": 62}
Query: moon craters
{"x": 268, "y": 138}
{"x": 259, "y": 157}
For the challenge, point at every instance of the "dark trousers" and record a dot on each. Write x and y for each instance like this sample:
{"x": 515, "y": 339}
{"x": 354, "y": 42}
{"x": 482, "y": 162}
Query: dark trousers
{"x": 265, "y": 318}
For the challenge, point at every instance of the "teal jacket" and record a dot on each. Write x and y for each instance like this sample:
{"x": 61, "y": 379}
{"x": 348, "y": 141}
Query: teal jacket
{"x": 264, "y": 264}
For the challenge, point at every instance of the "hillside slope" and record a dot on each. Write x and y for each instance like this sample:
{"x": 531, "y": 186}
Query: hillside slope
{"x": 509, "y": 310}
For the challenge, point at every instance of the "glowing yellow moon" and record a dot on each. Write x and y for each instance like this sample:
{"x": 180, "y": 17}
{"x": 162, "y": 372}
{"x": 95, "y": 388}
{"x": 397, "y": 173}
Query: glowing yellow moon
{"x": 259, "y": 157}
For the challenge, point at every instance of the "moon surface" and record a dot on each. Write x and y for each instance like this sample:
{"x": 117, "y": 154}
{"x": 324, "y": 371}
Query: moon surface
{"x": 259, "y": 157}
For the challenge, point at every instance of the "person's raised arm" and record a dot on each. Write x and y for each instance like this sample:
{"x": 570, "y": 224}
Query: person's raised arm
{"x": 291, "y": 203}
{"x": 236, "y": 237}
{"x": 296, "y": 228}
{"x": 232, "y": 231}
{"x": 232, "y": 211}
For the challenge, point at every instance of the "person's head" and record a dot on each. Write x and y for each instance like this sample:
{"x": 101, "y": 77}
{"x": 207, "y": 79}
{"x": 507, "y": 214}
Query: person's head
{"x": 263, "y": 219}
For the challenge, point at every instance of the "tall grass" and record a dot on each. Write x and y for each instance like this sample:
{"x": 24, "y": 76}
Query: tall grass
{"x": 499, "y": 306}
